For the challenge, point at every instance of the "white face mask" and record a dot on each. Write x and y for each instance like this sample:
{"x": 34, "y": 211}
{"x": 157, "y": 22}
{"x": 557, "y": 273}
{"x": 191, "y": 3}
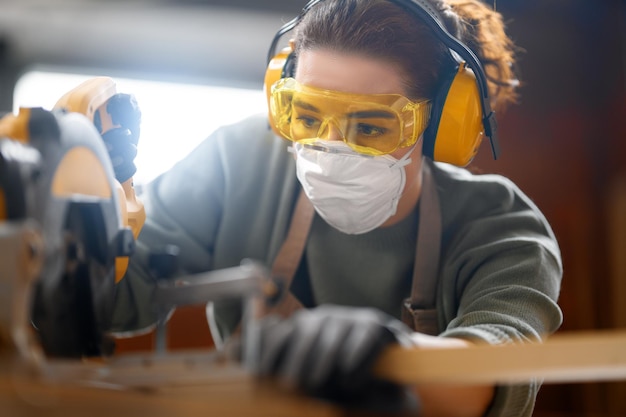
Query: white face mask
{"x": 352, "y": 192}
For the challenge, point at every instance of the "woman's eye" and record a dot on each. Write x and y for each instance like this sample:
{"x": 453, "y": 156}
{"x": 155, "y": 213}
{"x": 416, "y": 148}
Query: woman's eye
{"x": 371, "y": 130}
{"x": 307, "y": 121}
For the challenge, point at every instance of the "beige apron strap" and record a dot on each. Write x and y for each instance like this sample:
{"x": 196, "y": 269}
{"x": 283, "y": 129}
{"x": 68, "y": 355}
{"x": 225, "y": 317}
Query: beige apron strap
{"x": 290, "y": 254}
{"x": 419, "y": 311}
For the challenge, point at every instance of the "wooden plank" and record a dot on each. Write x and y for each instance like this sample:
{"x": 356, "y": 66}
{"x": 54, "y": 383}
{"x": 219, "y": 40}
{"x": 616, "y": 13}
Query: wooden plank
{"x": 564, "y": 358}
{"x": 575, "y": 357}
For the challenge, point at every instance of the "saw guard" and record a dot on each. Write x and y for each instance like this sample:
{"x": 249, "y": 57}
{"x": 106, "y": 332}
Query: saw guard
{"x": 60, "y": 178}
{"x": 91, "y": 99}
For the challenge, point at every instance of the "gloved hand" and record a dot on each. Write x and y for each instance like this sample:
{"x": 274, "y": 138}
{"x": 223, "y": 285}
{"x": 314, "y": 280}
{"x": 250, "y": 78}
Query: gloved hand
{"x": 121, "y": 142}
{"x": 328, "y": 352}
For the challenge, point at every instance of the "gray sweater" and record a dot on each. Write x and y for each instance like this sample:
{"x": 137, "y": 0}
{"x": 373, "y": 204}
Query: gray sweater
{"x": 232, "y": 198}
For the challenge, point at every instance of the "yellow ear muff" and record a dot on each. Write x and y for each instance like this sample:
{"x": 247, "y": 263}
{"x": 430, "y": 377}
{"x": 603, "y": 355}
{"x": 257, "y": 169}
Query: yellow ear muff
{"x": 274, "y": 72}
{"x": 460, "y": 129}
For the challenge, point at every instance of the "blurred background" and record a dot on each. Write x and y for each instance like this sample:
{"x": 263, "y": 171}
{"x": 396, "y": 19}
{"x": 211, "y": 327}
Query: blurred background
{"x": 197, "y": 64}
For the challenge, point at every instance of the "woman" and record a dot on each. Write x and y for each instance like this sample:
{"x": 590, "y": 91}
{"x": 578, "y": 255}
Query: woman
{"x": 394, "y": 237}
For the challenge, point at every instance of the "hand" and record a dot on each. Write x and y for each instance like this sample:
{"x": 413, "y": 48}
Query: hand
{"x": 121, "y": 142}
{"x": 328, "y": 352}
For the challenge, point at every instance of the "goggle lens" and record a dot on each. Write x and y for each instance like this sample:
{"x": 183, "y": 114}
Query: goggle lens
{"x": 370, "y": 124}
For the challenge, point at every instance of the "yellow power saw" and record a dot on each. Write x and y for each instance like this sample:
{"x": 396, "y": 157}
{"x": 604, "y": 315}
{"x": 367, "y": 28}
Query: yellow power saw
{"x": 57, "y": 181}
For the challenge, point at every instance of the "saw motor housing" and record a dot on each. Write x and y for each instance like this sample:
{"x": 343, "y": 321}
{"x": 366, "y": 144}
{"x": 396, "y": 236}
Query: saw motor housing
{"x": 55, "y": 171}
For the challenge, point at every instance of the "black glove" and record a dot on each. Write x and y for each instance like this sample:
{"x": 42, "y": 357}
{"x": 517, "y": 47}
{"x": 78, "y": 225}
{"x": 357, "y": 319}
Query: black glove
{"x": 121, "y": 142}
{"x": 329, "y": 351}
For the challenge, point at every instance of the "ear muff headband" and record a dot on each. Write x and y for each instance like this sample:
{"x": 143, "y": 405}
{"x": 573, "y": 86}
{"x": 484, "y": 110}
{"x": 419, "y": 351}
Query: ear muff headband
{"x": 461, "y": 106}
{"x": 464, "y": 144}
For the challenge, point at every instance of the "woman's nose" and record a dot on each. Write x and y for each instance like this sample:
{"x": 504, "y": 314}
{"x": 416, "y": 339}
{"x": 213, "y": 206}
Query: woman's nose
{"x": 330, "y": 131}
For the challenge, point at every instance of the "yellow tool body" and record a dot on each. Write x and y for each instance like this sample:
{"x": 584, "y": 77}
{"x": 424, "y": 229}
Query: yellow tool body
{"x": 57, "y": 182}
{"x": 92, "y": 98}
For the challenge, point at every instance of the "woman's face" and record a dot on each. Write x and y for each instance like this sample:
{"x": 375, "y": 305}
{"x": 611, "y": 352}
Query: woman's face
{"x": 358, "y": 74}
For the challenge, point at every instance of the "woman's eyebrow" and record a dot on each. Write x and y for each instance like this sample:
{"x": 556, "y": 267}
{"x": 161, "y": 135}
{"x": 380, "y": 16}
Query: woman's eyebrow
{"x": 305, "y": 105}
{"x": 363, "y": 114}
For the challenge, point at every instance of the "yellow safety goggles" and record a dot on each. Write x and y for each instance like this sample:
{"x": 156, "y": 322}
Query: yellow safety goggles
{"x": 371, "y": 124}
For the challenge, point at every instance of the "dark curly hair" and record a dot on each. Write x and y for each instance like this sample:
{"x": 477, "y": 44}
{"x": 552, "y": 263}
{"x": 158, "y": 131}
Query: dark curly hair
{"x": 383, "y": 30}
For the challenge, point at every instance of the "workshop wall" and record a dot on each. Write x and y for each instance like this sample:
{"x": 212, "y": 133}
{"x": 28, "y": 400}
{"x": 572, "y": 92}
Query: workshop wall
{"x": 564, "y": 144}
